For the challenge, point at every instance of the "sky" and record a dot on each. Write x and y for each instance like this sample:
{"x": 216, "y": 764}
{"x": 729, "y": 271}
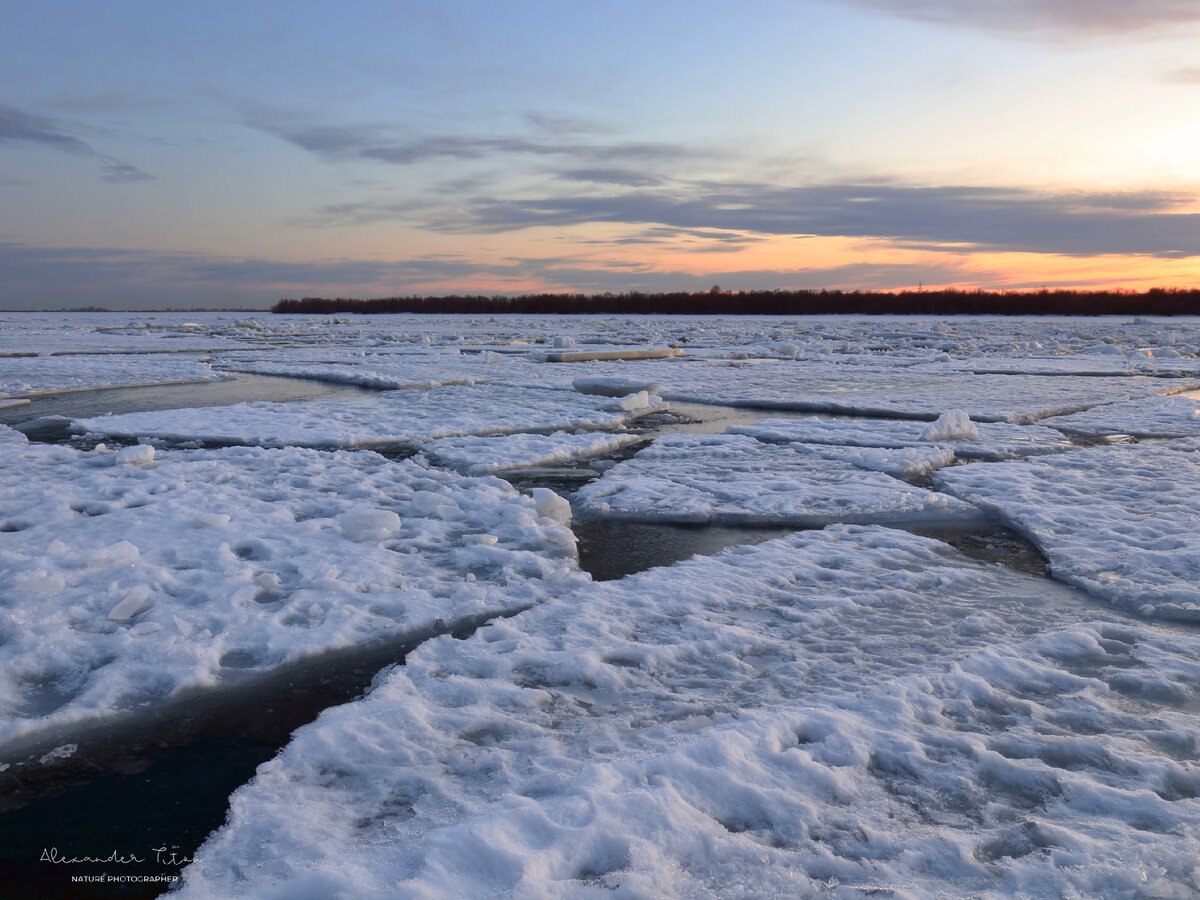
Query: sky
{"x": 171, "y": 155}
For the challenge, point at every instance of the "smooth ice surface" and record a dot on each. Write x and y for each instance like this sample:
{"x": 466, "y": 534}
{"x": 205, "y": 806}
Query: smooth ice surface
{"x": 734, "y": 479}
{"x": 716, "y": 729}
{"x": 1122, "y": 522}
{"x": 996, "y": 440}
{"x": 1156, "y": 417}
{"x": 391, "y": 418}
{"x": 487, "y": 455}
{"x": 123, "y": 583}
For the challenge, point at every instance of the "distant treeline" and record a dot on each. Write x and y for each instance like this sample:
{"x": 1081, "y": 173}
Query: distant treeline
{"x": 1154, "y": 302}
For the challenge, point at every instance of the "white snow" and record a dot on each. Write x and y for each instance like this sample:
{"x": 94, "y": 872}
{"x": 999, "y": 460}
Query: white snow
{"x": 716, "y": 729}
{"x": 734, "y": 479}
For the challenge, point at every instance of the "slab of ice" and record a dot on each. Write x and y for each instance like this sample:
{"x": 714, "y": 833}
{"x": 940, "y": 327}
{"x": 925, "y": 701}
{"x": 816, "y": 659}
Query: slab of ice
{"x": 1150, "y": 417}
{"x": 613, "y": 385}
{"x": 393, "y": 418}
{"x": 846, "y": 713}
{"x": 26, "y": 375}
{"x": 382, "y": 369}
{"x": 734, "y": 479}
{"x": 123, "y": 584}
{"x": 879, "y": 390}
{"x": 487, "y": 455}
{"x": 1122, "y": 522}
{"x": 997, "y": 440}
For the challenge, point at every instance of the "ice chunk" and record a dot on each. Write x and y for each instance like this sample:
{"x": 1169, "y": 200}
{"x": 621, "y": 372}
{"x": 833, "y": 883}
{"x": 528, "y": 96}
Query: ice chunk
{"x": 137, "y": 600}
{"x": 551, "y": 505}
{"x": 365, "y": 524}
{"x": 139, "y": 455}
{"x": 952, "y": 425}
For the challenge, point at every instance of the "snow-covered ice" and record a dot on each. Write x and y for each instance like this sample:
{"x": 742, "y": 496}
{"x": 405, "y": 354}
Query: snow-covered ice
{"x": 715, "y": 729}
{"x": 1155, "y": 417}
{"x": 31, "y": 375}
{"x": 488, "y": 455}
{"x": 734, "y": 479}
{"x": 995, "y": 440}
{"x": 1122, "y": 522}
{"x": 388, "y": 419}
{"x": 129, "y": 576}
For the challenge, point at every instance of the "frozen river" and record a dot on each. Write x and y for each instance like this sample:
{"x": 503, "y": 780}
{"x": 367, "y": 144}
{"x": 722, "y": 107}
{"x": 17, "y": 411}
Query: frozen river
{"x": 835, "y": 606}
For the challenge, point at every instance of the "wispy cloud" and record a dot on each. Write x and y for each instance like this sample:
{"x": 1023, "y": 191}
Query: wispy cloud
{"x": 990, "y": 218}
{"x": 1045, "y": 18}
{"x": 396, "y": 146}
{"x": 1184, "y": 76}
{"x": 18, "y": 127}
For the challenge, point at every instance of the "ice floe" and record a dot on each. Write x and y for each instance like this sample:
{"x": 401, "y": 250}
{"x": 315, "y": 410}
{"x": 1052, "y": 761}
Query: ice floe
{"x": 1150, "y": 417}
{"x": 734, "y": 479}
{"x": 32, "y": 375}
{"x": 995, "y": 440}
{"x": 385, "y": 420}
{"x": 1122, "y": 522}
{"x": 124, "y": 584}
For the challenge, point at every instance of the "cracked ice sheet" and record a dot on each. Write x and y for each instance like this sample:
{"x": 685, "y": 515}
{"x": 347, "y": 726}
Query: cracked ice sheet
{"x": 848, "y": 711}
{"x": 1150, "y": 417}
{"x": 382, "y": 369}
{"x": 387, "y": 419}
{"x": 734, "y": 479}
{"x": 868, "y": 389}
{"x": 125, "y": 583}
{"x": 23, "y": 375}
{"x": 1121, "y": 522}
{"x": 485, "y": 455}
{"x": 997, "y": 440}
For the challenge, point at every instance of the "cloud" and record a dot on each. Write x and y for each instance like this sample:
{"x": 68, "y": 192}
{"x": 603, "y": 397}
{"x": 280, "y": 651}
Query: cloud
{"x": 340, "y": 143}
{"x": 622, "y": 177}
{"x": 1044, "y": 17}
{"x": 18, "y": 127}
{"x": 974, "y": 218}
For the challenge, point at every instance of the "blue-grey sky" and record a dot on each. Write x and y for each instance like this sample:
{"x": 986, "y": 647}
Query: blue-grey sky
{"x": 169, "y": 155}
